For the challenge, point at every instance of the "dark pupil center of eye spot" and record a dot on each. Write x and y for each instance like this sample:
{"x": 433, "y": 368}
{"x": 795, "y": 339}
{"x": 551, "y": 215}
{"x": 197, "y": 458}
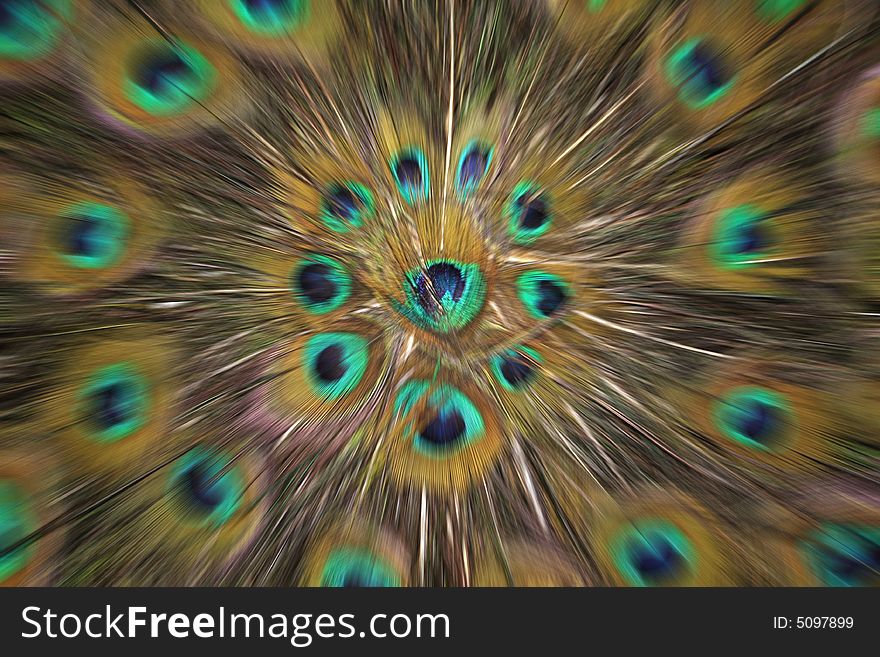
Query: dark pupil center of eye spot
{"x": 442, "y": 280}
{"x": 112, "y": 405}
{"x": 202, "y": 487}
{"x": 408, "y": 171}
{"x": 267, "y": 7}
{"x": 704, "y": 68}
{"x": 355, "y": 580}
{"x": 551, "y": 297}
{"x": 853, "y": 565}
{"x": 473, "y": 166}
{"x": 316, "y": 283}
{"x": 533, "y": 211}
{"x": 516, "y": 370}
{"x": 445, "y": 428}
{"x": 330, "y": 365}
{"x": 161, "y": 70}
{"x": 752, "y": 238}
{"x": 758, "y": 421}
{"x": 343, "y": 203}
{"x": 81, "y": 236}
{"x": 656, "y": 559}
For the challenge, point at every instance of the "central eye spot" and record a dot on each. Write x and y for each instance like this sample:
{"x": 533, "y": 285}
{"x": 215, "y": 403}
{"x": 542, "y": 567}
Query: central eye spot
{"x": 742, "y": 235}
{"x": 444, "y": 296}
{"x": 441, "y": 282}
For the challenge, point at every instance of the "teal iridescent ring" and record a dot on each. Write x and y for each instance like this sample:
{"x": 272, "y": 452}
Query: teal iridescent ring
{"x": 16, "y": 522}
{"x": 351, "y": 567}
{"x": 91, "y": 235}
{"x": 208, "y": 486}
{"x": 30, "y": 29}
{"x": 114, "y": 403}
{"x": 271, "y": 17}
{"x": 164, "y": 79}
{"x": 652, "y": 552}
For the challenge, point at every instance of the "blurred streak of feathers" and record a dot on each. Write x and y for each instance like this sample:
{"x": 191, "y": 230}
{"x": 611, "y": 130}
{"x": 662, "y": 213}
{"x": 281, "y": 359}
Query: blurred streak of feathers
{"x": 444, "y": 293}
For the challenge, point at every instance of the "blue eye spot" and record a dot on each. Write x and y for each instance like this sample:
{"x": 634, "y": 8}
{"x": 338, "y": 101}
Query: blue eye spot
{"x": 700, "y": 73}
{"x": 410, "y": 170}
{"x": 472, "y": 167}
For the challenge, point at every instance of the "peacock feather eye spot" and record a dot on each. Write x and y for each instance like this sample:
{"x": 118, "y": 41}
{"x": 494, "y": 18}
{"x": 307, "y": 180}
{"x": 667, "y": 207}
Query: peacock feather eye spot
{"x": 16, "y": 523}
{"x": 652, "y": 553}
{"x": 345, "y": 206}
{"x": 114, "y": 402}
{"x": 207, "y": 486}
{"x": 30, "y": 29}
{"x": 450, "y": 420}
{"x": 271, "y": 17}
{"x": 774, "y": 11}
{"x": 870, "y": 123}
{"x": 515, "y": 368}
{"x": 91, "y": 235}
{"x": 844, "y": 554}
{"x": 699, "y": 72}
{"x": 409, "y": 167}
{"x": 472, "y": 167}
{"x": 444, "y": 296}
{"x": 743, "y": 236}
{"x": 352, "y": 567}
{"x": 753, "y": 416}
{"x": 320, "y": 283}
{"x": 164, "y": 79}
{"x": 528, "y": 213}
{"x": 543, "y": 294}
{"x": 335, "y": 362}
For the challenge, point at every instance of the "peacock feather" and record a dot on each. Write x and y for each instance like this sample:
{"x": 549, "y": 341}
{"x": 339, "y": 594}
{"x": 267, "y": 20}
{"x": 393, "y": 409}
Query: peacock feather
{"x": 336, "y": 293}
